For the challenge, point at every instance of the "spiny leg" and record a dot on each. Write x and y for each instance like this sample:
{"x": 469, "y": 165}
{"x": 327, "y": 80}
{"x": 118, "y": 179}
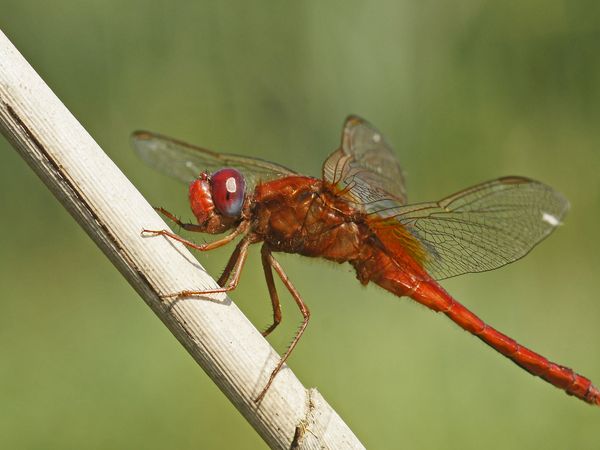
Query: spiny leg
{"x": 236, "y": 271}
{"x": 266, "y": 263}
{"x": 303, "y": 309}
{"x": 177, "y": 221}
{"x": 229, "y": 267}
{"x": 242, "y": 227}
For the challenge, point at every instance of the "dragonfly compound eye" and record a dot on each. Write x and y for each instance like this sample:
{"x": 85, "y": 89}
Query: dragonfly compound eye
{"x": 228, "y": 189}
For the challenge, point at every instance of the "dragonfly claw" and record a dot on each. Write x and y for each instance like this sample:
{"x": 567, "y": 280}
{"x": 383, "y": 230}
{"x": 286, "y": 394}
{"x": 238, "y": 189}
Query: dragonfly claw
{"x": 151, "y": 233}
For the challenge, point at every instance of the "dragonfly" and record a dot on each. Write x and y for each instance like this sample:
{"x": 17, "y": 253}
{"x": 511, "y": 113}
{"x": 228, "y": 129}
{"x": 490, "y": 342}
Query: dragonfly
{"x": 357, "y": 212}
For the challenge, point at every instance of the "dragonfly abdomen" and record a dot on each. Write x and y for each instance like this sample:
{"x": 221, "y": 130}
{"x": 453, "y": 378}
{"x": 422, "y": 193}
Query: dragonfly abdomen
{"x": 402, "y": 281}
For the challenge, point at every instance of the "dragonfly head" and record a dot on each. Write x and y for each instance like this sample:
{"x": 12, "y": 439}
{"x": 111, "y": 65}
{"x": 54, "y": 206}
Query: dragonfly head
{"x": 217, "y": 199}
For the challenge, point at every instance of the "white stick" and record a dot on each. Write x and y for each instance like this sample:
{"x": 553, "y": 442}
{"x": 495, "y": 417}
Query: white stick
{"x": 217, "y": 335}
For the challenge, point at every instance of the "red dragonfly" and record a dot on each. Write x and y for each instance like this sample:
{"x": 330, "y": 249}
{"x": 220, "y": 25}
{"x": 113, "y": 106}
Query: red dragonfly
{"x": 357, "y": 213}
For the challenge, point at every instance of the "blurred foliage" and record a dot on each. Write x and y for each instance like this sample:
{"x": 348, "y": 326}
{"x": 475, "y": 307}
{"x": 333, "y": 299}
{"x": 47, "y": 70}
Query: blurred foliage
{"x": 465, "y": 90}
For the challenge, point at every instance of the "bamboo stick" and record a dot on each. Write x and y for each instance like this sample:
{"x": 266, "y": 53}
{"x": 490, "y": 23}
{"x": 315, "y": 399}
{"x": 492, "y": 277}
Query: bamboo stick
{"x": 103, "y": 201}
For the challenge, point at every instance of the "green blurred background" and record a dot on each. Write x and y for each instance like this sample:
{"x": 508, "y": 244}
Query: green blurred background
{"x": 464, "y": 90}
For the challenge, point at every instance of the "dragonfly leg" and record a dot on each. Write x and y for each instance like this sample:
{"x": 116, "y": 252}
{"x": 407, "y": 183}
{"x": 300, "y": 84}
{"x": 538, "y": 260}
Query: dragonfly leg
{"x": 266, "y": 263}
{"x": 177, "y": 221}
{"x": 229, "y": 267}
{"x": 272, "y": 262}
{"x": 201, "y": 247}
{"x": 233, "y": 275}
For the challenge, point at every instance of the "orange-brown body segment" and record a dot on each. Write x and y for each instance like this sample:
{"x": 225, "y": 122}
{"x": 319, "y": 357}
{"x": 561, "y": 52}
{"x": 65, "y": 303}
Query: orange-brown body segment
{"x": 300, "y": 215}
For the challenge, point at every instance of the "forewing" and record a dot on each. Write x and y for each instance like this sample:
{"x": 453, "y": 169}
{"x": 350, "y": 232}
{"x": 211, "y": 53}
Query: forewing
{"x": 185, "y": 161}
{"x": 365, "y": 169}
{"x": 478, "y": 229}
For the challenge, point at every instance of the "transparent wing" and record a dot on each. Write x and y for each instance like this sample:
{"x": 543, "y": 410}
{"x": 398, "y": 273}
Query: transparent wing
{"x": 481, "y": 228}
{"x": 364, "y": 169}
{"x": 185, "y": 161}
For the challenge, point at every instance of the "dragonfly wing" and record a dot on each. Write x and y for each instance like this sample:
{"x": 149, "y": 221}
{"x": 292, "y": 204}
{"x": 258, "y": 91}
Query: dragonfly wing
{"x": 365, "y": 169}
{"x": 185, "y": 161}
{"x": 481, "y": 228}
